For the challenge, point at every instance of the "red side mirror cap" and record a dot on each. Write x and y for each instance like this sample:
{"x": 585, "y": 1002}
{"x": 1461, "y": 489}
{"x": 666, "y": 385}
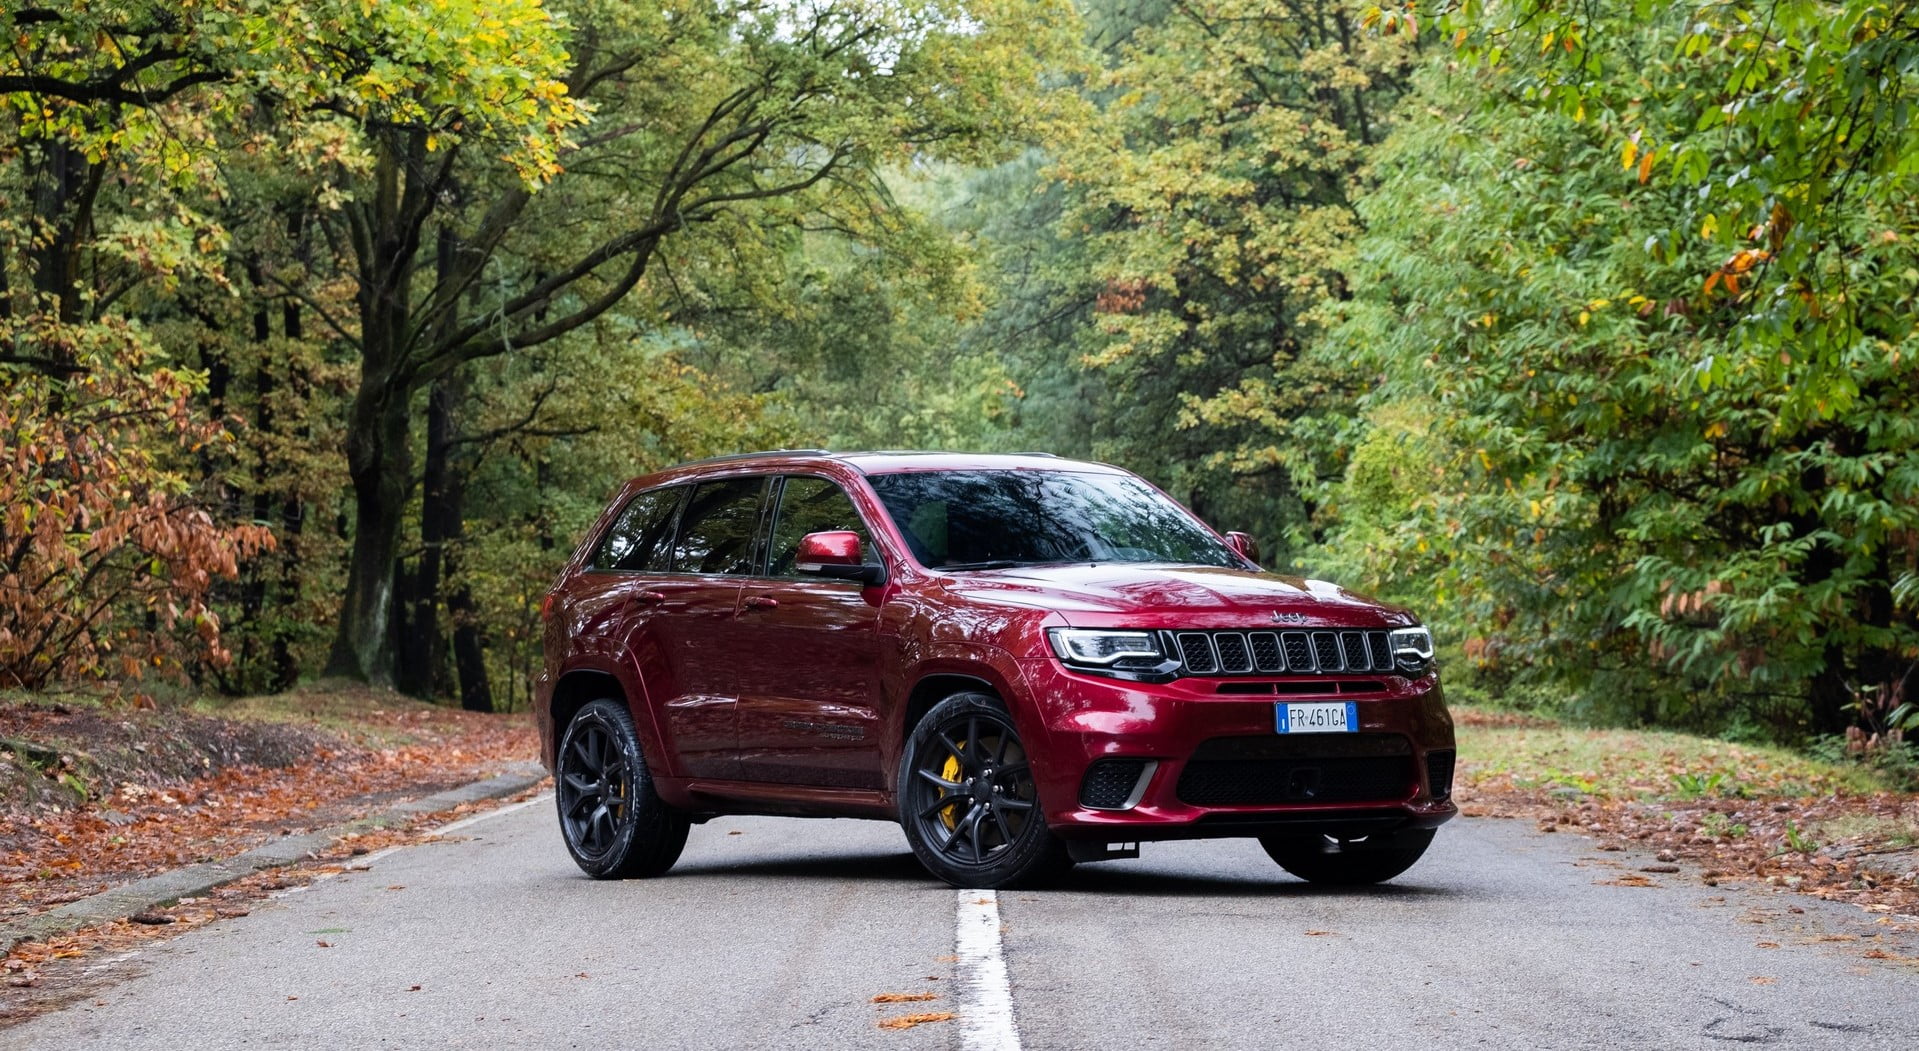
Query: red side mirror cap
{"x": 836, "y": 548}
{"x": 1243, "y": 543}
{"x": 836, "y": 555}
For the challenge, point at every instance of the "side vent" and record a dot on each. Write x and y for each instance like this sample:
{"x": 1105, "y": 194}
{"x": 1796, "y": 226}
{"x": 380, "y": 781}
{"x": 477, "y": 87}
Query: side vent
{"x": 1439, "y": 773}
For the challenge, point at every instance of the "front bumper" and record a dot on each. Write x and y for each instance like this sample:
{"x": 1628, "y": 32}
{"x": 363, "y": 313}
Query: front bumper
{"x": 1084, "y": 719}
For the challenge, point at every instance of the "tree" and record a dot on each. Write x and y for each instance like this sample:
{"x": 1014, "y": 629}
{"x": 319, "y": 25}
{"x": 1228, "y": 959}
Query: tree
{"x": 1643, "y": 475}
{"x": 1214, "y": 193}
{"x": 701, "y": 112}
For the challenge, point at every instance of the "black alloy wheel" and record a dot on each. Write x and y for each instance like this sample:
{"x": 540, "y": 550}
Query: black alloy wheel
{"x": 614, "y": 824}
{"x": 968, "y": 801}
{"x": 1349, "y": 863}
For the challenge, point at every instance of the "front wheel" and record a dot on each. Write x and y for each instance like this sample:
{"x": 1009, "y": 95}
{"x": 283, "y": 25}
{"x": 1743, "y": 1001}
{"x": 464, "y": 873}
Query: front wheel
{"x": 968, "y": 802}
{"x": 1348, "y": 863}
{"x": 615, "y": 825}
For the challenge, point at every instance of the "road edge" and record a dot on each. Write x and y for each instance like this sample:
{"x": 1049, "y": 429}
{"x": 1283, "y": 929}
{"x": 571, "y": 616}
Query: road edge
{"x": 118, "y": 903}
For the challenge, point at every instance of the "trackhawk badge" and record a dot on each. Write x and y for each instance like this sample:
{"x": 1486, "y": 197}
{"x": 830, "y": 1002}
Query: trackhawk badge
{"x": 1288, "y": 618}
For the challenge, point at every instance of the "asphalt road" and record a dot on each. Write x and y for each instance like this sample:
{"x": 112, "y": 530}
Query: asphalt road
{"x": 781, "y": 936}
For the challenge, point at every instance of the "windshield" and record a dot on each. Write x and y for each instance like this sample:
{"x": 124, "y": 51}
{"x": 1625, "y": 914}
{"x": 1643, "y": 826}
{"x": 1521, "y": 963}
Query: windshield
{"x": 1000, "y": 519}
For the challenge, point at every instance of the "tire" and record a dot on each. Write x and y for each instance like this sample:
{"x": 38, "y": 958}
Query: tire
{"x": 1356, "y": 863}
{"x": 968, "y": 802}
{"x": 614, "y": 824}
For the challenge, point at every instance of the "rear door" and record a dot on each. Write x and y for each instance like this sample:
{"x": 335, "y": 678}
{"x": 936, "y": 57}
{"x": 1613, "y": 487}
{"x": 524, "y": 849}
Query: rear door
{"x": 809, "y": 672}
{"x": 689, "y": 644}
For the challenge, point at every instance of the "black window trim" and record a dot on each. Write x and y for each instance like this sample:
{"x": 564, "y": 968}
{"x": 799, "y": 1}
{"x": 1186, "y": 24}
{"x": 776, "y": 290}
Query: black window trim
{"x": 771, "y": 521}
{"x": 756, "y": 560}
{"x": 599, "y": 543}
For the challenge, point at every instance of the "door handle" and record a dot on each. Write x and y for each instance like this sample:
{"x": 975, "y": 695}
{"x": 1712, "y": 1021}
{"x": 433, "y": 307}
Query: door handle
{"x": 762, "y": 602}
{"x": 647, "y": 598}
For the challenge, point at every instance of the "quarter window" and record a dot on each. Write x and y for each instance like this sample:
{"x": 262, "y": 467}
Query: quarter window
{"x": 812, "y": 505}
{"x": 719, "y": 526}
{"x": 642, "y": 537}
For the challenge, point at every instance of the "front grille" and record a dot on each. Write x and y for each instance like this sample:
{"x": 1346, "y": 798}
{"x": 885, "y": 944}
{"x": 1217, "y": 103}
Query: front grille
{"x": 1196, "y": 653}
{"x": 1109, "y": 783}
{"x": 1286, "y": 652}
{"x": 1234, "y": 657}
{"x": 1258, "y": 771}
{"x": 1439, "y": 773}
{"x": 1267, "y": 655}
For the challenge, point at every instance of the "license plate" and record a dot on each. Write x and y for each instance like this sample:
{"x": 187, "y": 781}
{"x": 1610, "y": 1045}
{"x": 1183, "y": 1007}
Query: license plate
{"x": 1333, "y": 718}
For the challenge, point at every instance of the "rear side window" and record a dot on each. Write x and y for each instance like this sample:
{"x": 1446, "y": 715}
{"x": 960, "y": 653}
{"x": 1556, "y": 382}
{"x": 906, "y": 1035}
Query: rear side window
{"x": 812, "y": 505}
{"x": 719, "y": 526}
{"x": 641, "y": 539}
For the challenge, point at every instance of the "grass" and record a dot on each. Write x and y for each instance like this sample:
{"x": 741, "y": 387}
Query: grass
{"x": 1892, "y": 832}
{"x": 1644, "y": 764}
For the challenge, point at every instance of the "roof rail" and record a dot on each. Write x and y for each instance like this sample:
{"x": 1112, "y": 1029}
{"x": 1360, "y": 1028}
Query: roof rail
{"x": 730, "y": 457}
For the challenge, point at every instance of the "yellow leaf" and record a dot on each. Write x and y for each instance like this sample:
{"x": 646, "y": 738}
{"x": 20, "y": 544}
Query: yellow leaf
{"x": 1628, "y": 153}
{"x": 1716, "y": 430}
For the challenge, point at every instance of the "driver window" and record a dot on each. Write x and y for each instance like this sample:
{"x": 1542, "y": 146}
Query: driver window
{"x": 812, "y": 505}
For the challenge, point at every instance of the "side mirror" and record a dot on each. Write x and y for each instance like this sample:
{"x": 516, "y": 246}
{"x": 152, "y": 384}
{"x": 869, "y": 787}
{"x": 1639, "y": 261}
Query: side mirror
{"x": 836, "y": 556}
{"x": 1243, "y": 543}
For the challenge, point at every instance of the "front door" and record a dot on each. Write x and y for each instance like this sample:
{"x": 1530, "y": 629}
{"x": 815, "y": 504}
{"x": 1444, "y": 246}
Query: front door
{"x": 809, "y": 679}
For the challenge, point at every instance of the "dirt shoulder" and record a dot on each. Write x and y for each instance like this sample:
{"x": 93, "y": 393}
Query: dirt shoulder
{"x": 1712, "y": 811}
{"x": 95, "y": 793}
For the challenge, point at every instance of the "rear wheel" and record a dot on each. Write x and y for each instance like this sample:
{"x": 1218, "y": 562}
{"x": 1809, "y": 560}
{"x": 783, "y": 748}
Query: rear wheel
{"x": 615, "y": 825}
{"x": 1348, "y": 863}
{"x": 968, "y": 802}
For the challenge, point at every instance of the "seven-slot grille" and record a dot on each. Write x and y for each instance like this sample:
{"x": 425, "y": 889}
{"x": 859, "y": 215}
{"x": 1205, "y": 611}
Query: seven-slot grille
{"x": 1275, "y": 652}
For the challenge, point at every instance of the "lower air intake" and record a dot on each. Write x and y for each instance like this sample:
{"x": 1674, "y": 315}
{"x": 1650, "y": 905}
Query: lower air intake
{"x": 1109, "y": 783}
{"x": 1439, "y": 773}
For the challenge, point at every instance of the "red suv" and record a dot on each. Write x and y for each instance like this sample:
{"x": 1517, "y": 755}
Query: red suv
{"x": 1025, "y": 661}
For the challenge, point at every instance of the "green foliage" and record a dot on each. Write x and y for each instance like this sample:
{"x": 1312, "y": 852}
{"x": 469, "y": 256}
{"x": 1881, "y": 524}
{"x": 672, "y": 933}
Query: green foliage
{"x": 1652, "y": 487}
{"x": 1213, "y": 191}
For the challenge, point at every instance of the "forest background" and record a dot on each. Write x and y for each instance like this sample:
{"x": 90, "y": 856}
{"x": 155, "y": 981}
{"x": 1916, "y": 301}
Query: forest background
{"x": 1585, "y": 329}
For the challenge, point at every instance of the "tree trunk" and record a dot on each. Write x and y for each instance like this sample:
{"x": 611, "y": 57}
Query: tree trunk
{"x": 421, "y": 658}
{"x": 469, "y": 655}
{"x": 377, "y": 461}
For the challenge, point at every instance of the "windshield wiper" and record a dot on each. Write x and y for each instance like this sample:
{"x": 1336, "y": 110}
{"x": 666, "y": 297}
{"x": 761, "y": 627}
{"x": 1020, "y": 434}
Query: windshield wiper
{"x": 998, "y": 563}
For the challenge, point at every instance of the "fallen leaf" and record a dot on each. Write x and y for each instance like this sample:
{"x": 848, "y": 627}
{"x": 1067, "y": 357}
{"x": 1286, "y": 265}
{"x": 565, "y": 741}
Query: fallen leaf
{"x": 903, "y": 998}
{"x": 1627, "y": 880}
{"x": 323, "y": 943}
{"x": 909, "y": 1021}
{"x": 1319, "y": 934}
{"x": 1768, "y": 945}
{"x": 1659, "y": 868}
{"x": 153, "y": 919}
{"x": 1763, "y": 980}
{"x": 412, "y": 988}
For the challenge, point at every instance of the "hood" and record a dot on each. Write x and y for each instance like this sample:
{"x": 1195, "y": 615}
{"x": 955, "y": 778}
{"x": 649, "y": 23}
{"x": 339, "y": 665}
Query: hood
{"x": 1163, "y": 596}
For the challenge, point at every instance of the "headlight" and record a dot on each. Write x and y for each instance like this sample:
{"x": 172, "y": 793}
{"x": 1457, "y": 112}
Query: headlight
{"x": 1096, "y": 648}
{"x": 1413, "y": 649}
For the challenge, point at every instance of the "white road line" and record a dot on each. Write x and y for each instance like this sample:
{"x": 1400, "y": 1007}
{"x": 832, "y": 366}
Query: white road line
{"x": 488, "y": 815}
{"x": 985, "y": 996}
{"x": 474, "y": 819}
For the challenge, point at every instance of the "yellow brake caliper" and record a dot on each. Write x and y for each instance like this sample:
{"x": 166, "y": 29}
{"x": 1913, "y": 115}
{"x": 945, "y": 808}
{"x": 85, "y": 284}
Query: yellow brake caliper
{"x": 949, "y": 772}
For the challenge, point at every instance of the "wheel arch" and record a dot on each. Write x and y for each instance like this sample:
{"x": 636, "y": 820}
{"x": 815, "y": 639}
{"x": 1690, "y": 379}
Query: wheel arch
{"x": 935, "y": 687}
{"x": 580, "y": 685}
